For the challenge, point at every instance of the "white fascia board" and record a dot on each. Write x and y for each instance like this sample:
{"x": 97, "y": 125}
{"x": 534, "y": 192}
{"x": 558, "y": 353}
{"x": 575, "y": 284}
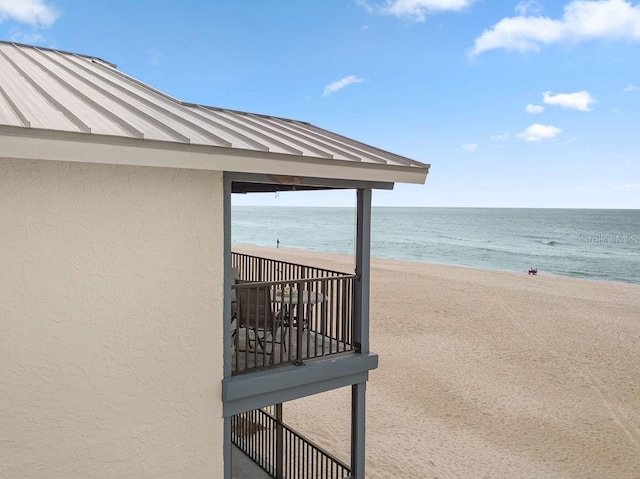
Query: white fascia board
{"x": 22, "y": 143}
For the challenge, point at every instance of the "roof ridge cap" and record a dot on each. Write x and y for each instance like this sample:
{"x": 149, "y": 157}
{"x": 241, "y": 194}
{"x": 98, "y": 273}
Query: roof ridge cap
{"x": 64, "y": 52}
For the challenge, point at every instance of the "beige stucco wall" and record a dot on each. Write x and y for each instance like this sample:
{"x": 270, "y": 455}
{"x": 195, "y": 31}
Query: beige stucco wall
{"x": 110, "y": 321}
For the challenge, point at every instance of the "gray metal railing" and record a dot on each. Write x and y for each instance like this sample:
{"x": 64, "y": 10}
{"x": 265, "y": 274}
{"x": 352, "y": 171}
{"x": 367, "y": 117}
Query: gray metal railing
{"x": 281, "y": 451}
{"x": 286, "y": 313}
{"x": 257, "y": 268}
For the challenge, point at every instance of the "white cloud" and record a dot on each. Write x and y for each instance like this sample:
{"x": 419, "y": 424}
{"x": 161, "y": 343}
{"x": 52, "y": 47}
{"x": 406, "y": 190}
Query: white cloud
{"x": 528, "y": 7}
{"x": 578, "y": 101}
{"x": 366, "y": 5}
{"x": 500, "y": 137}
{"x": 534, "y": 109}
{"x": 340, "y": 84}
{"x": 32, "y": 12}
{"x": 518, "y": 33}
{"x": 582, "y": 20}
{"x": 537, "y": 132}
{"x": 470, "y": 147}
{"x": 629, "y": 88}
{"x": 415, "y": 10}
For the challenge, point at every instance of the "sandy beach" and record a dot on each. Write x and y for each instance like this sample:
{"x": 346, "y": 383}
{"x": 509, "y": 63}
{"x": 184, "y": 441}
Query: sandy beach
{"x": 487, "y": 374}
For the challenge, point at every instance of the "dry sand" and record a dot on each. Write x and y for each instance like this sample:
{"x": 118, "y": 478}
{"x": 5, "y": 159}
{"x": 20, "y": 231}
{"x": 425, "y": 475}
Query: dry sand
{"x": 488, "y": 374}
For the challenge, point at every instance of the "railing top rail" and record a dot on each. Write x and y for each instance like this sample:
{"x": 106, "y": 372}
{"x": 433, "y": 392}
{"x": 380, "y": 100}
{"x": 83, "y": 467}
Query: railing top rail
{"x": 289, "y": 263}
{"x": 252, "y": 284}
{"x": 304, "y": 439}
{"x": 317, "y": 448}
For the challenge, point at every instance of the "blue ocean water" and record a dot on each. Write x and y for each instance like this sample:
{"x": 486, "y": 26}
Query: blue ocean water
{"x": 588, "y": 244}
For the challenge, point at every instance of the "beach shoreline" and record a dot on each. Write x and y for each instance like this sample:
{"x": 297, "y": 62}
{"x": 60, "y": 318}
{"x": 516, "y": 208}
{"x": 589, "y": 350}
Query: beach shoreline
{"x": 542, "y": 273}
{"x": 488, "y": 374}
{"x": 583, "y": 244}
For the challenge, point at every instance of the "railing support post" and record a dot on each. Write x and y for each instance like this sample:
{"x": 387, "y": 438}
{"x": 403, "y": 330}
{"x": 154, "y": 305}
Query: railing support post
{"x": 363, "y": 268}
{"x": 279, "y": 443}
{"x": 358, "y": 395}
{"x": 299, "y": 321}
{"x": 226, "y": 317}
{"x": 361, "y": 329}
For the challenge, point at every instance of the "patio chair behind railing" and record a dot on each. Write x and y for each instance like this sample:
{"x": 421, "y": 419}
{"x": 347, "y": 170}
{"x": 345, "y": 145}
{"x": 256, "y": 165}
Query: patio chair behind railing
{"x": 310, "y": 316}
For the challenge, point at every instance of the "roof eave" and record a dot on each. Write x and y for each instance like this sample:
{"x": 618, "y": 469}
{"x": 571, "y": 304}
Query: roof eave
{"x": 90, "y": 148}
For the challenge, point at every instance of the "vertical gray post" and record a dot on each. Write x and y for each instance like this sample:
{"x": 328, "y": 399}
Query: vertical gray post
{"x": 358, "y": 394}
{"x": 226, "y": 318}
{"x": 299, "y": 321}
{"x": 361, "y": 329}
{"x": 279, "y": 443}
{"x": 226, "y": 332}
{"x": 363, "y": 270}
{"x": 226, "y": 448}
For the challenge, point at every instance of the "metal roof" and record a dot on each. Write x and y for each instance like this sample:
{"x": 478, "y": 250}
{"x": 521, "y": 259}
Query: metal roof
{"x": 52, "y": 90}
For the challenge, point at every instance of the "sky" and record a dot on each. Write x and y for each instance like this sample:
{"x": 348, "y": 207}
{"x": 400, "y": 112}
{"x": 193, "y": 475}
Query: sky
{"x": 532, "y": 103}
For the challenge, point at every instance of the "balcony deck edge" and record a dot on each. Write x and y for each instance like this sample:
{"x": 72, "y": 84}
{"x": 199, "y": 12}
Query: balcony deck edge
{"x": 251, "y": 391}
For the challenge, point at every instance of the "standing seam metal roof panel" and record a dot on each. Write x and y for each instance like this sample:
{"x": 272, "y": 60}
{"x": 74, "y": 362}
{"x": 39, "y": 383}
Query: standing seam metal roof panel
{"x": 102, "y": 107}
{"x": 29, "y": 102}
{"x": 172, "y": 110}
{"x": 54, "y": 90}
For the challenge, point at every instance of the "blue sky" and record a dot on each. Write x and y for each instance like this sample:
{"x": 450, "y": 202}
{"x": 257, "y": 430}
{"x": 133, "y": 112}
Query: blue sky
{"x": 513, "y": 103}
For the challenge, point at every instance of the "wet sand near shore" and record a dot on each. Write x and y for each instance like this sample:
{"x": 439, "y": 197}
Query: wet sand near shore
{"x": 487, "y": 374}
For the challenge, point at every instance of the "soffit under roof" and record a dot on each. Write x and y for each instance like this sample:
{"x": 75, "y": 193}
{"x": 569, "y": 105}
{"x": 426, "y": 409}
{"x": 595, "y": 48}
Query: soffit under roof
{"x": 56, "y": 91}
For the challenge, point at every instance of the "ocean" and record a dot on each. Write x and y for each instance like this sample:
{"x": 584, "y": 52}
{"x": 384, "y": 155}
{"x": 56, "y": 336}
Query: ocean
{"x": 599, "y": 245}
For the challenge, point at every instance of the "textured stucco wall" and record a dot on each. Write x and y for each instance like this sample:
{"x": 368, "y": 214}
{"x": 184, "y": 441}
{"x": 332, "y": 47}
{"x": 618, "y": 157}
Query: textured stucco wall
{"x": 110, "y": 321}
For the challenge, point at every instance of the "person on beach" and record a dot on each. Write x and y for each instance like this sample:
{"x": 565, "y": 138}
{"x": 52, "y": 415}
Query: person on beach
{"x": 278, "y": 243}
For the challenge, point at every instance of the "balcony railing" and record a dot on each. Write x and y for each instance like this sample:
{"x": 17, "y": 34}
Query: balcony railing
{"x": 281, "y": 451}
{"x": 256, "y": 268}
{"x": 286, "y": 313}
